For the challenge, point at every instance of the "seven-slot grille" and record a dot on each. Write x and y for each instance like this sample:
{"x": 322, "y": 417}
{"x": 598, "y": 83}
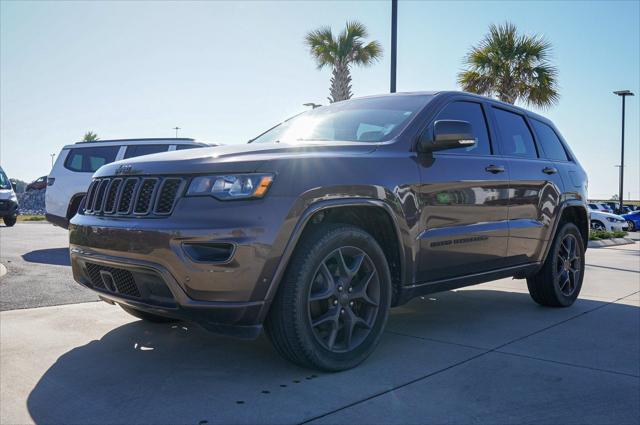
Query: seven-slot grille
{"x": 139, "y": 196}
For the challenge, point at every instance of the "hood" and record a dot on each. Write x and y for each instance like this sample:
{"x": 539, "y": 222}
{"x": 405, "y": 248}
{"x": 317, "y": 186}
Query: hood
{"x": 242, "y": 158}
{"x": 605, "y": 214}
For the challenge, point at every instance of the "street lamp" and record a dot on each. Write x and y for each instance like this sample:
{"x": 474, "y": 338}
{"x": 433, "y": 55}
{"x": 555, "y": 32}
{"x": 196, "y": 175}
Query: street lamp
{"x": 623, "y": 94}
{"x": 176, "y": 128}
{"x": 394, "y": 44}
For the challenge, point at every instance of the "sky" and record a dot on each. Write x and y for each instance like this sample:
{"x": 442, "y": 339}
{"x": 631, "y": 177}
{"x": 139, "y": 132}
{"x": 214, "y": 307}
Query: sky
{"x": 226, "y": 71}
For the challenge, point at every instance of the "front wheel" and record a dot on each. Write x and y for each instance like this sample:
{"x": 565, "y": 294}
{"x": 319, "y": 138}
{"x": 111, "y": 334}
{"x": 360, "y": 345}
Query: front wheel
{"x": 632, "y": 225}
{"x": 598, "y": 225}
{"x": 10, "y": 220}
{"x": 558, "y": 282}
{"x": 333, "y": 303}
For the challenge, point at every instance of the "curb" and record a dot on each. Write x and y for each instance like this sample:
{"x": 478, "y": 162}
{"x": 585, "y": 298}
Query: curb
{"x": 3, "y": 270}
{"x": 610, "y": 242}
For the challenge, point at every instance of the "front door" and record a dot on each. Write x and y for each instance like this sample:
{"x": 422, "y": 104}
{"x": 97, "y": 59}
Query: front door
{"x": 464, "y": 203}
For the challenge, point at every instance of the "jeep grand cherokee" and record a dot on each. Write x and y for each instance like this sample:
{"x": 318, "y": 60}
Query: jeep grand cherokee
{"x": 317, "y": 227}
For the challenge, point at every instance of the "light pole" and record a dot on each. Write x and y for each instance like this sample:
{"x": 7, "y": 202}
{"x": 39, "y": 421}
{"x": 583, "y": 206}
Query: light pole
{"x": 623, "y": 94}
{"x": 394, "y": 44}
{"x": 176, "y": 128}
{"x": 52, "y": 155}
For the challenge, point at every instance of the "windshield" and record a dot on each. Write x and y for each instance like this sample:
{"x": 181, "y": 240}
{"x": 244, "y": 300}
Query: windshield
{"x": 375, "y": 119}
{"x": 4, "y": 181}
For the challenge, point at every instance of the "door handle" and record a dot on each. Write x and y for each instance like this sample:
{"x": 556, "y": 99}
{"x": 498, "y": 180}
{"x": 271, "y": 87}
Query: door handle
{"x": 495, "y": 169}
{"x": 549, "y": 170}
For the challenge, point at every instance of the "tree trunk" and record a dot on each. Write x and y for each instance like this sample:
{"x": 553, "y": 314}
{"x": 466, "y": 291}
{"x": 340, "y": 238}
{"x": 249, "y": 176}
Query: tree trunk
{"x": 340, "y": 83}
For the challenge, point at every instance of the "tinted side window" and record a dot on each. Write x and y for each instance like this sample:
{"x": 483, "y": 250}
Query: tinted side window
{"x": 515, "y": 135}
{"x": 472, "y": 113}
{"x": 551, "y": 144}
{"x": 88, "y": 160}
{"x": 139, "y": 150}
{"x": 183, "y": 147}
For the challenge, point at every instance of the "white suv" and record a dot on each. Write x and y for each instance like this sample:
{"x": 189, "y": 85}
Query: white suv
{"x": 71, "y": 174}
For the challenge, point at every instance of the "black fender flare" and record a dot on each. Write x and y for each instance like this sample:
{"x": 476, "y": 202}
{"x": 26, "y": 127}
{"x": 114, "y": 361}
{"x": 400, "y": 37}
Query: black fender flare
{"x": 304, "y": 220}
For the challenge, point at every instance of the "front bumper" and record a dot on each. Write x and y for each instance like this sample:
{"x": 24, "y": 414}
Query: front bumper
{"x": 149, "y": 287}
{"x": 151, "y": 270}
{"x": 8, "y": 208}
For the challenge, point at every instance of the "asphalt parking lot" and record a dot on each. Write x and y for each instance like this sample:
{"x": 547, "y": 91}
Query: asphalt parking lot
{"x": 484, "y": 354}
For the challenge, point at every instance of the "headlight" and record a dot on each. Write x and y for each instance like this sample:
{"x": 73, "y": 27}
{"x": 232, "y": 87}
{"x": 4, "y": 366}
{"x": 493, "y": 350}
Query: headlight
{"x": 233, "y": 186}
{"x": 14, "y": 197}
{"x": 611, "y": 220}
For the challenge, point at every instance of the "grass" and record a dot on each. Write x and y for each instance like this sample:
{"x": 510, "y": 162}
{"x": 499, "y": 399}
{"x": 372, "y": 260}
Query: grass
{"x": 31, "y": 218}
{"x": 596, "y": 235}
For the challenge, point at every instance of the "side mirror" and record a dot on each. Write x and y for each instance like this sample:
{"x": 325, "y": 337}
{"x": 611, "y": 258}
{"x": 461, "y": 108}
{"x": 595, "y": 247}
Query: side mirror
{"x": 446, "y": 134}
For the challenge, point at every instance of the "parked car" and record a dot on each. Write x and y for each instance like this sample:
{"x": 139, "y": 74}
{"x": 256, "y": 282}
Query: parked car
{"x": 8, "y": 201}
{"x": 605, "y": 221}
{"x": 321, "y": 224}
{"x": 71, "y": 174}
{"x": 633, "y": 220}
{"x": 39, "y": 183}
{"x": 599, "y": 206}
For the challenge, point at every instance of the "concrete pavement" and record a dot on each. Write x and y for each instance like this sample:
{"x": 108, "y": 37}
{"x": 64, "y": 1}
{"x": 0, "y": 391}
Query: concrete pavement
{"x": 483, "y": 354}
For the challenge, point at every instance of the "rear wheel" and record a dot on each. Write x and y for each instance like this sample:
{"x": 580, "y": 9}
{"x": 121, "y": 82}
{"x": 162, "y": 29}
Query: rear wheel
{"x": 9, "y": 220}
{"x": 334, "y": 300}
{"x": 558, "y": 282}
{"x": 149, "y": 317}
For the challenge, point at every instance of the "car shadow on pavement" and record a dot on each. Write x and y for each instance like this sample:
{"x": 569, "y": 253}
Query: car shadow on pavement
{"x": 54, "y": 256}
{"x": 178, "y": 373}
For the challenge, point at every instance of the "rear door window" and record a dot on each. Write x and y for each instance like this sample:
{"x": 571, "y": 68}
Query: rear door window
{"x": 473, "y": 114}
{"x": 515, "y": 137}
{"x": 550, "y": 142}
{"x": 183, "y": 147}
{"x": 89, "y": 159}
{"x": 139, "y": 150}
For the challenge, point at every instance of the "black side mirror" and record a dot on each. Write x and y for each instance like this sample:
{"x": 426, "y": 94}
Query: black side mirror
{"x": 446, "y": 134}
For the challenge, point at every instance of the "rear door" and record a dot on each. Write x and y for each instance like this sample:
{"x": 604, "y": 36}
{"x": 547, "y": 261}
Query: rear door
{"x": 534, "y": 190}
{"x": 464, "y": 203}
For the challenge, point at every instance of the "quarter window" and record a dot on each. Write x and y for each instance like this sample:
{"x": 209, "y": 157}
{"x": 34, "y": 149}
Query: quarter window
{"x": 88, "y": 160}
{"x": 472, "y": 113}
{"x": 183, "y": 147}
{"x": 551, "y": 144}
{"x": 515, "y": 136}
{"x": 139, "y": 150}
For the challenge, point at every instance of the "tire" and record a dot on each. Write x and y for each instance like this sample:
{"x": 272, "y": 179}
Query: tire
{"x": 558, "y": 282}
{"x": 320, "y": 318}
{"x": 598, "y": 225}
{"x": 149, "y": 317}
{"x": 632, "y": 226}
{"x": 10, "y": 220}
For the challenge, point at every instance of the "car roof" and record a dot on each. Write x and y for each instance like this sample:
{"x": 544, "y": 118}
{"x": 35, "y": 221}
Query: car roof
{"x": 145, "y": 141}
{"x": 442, "y": 93}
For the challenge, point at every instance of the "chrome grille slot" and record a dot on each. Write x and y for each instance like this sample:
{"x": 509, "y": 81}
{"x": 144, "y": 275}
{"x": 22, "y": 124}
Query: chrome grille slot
{"x": 99, "y": 198}
{"x": 128, "y": 189}
{"x": 90, "y": 195}
{"x": 112, "y": 196}
{"x": 167, "y": 195}
{"x": 144, "y": 196}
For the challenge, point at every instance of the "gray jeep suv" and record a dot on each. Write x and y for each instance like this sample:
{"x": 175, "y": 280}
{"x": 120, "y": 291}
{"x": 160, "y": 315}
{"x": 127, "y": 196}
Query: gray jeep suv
{"x": 314, "y": 229}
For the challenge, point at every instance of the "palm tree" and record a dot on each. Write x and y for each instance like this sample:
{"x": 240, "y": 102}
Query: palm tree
{"x": 90, "y": 136}
{"x": 512, "y": 67}
{"x": 340, "y": 53}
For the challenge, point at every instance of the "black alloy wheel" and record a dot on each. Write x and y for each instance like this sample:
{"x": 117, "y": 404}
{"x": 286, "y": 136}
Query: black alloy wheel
{"x": 343, "y": 299}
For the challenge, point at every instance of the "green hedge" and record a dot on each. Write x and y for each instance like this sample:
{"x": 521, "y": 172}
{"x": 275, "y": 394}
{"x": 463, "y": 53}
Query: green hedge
{"x": 596, "y": 235}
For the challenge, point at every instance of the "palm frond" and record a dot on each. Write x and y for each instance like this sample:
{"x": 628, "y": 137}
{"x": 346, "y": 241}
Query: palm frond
{"x": 511, "y": 66}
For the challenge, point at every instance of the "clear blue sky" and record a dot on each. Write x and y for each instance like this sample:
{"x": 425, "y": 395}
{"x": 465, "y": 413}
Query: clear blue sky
{"x": 226, "y": 71}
